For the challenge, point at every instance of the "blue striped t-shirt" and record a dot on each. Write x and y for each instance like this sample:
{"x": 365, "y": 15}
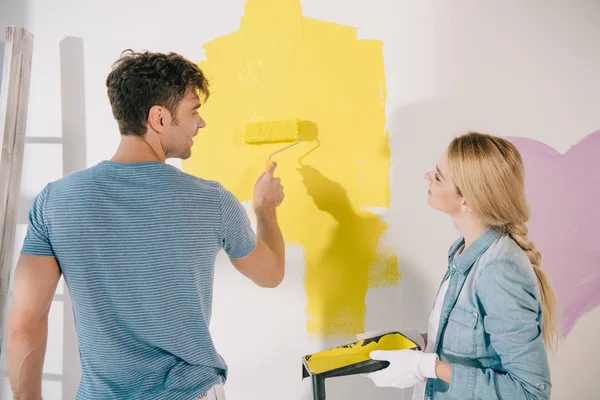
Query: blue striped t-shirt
{"x": 137, "y": 245}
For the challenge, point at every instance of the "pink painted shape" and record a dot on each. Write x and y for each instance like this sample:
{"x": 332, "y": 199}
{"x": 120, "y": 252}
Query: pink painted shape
{"x": 564, "y": 195}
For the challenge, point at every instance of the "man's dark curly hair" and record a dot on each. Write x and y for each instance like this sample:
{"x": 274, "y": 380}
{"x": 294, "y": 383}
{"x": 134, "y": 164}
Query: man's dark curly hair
{"x": 139, "y": 81}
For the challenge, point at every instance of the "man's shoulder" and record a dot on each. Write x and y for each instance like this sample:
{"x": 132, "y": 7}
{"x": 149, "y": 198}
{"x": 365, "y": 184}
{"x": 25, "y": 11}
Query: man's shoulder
{"x": 167, "y": 179}
{"x": 169, "y": 174}
{"x": 196, "y": 180}
{"x": 205, "y": 188}
{"x": 72, "y": 181}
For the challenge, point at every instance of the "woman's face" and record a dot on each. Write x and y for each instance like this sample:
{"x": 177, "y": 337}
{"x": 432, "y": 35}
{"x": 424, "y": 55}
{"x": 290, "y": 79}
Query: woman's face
{"x": 442, "y": 193}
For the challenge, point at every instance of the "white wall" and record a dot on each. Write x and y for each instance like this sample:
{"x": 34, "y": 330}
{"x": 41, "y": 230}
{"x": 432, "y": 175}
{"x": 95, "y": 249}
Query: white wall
{"x": 11, "y": 13}
{"x": 510, "y": 68}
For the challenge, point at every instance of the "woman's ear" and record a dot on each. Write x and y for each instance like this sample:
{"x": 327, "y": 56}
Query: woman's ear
{"x": 464, "y": 206}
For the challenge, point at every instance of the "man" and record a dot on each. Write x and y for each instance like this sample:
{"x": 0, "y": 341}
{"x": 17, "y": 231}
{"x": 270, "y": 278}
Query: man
{"x": 136, "y": 240}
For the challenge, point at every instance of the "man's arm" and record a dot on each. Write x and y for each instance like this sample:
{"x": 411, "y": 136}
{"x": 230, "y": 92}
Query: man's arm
{"x": 265, "y": 265}
{"x": 34, "y": 284}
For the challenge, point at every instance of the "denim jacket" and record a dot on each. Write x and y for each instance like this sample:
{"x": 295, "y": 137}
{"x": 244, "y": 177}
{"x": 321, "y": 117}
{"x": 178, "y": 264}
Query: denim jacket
{"x": 491, "y": 325}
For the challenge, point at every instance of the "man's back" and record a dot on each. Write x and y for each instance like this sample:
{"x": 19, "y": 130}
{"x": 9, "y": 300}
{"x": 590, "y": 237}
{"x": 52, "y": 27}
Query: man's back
{"x": 136, "y": 241}
{"x": 137, "y": 244}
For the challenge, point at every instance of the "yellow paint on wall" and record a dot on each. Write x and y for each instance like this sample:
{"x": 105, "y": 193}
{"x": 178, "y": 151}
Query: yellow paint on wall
{"x": 280, "y": 65}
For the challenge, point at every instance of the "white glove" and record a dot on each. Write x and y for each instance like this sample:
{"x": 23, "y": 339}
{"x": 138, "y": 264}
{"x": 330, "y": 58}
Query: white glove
{"x": 412, "y": 334}
{"x": 406, "y": 369}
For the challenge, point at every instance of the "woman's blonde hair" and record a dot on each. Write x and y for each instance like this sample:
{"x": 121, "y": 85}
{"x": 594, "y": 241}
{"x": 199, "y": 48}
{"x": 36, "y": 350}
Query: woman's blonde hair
{"x": 488, "y": 172}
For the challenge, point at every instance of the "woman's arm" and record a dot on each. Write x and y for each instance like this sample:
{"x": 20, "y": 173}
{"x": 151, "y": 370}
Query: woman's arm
{"x": 511, "y": 312}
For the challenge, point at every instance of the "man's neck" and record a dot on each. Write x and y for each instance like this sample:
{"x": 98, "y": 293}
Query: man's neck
{"x": 135, "y": 149}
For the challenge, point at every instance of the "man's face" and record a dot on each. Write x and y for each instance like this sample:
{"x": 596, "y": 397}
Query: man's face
{"x": 177, "y": 140}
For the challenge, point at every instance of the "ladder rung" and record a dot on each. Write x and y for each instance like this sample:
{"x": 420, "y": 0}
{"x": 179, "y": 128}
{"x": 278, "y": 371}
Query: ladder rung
{"x": 44, "y": 139}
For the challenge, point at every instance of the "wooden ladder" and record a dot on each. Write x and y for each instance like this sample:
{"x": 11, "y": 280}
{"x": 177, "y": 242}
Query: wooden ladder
{"x": 14, "y": 96}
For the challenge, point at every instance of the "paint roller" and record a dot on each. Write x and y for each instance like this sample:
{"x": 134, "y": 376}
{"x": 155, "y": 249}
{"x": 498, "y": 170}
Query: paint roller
{"x": 268, "y": 132}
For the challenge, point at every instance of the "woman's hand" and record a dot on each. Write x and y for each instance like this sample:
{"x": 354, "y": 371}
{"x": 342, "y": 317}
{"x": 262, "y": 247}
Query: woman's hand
{"x": 443, "y": 371}
{"x": 406, "y": 369}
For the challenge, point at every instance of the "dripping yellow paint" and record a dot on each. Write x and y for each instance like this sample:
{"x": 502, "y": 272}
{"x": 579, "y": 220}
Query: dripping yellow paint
{"x": 280, "y": 65}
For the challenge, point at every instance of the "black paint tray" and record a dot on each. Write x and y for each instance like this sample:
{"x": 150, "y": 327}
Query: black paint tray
{"x": 351, "y": 359}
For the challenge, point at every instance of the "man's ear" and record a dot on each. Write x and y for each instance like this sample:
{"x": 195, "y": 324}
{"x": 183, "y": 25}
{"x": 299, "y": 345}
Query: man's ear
{"x": 158, "y": 118}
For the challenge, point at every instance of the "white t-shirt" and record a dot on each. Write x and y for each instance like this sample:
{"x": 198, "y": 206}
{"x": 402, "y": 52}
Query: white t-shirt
{"x": 432, "y": 329}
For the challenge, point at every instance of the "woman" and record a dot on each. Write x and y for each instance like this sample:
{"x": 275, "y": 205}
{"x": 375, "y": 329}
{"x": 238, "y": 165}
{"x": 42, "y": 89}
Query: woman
{"x": 495, "y": 310}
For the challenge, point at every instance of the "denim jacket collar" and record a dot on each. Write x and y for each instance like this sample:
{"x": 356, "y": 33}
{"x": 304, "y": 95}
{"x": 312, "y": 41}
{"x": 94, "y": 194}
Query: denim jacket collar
{"x": 465, "y": 260}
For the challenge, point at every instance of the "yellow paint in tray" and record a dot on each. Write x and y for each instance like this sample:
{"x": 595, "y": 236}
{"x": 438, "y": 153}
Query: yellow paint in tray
{"x": 354, "y": 353}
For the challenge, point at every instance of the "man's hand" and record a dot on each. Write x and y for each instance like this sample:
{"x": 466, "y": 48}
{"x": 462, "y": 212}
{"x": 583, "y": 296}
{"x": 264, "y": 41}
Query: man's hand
{"x": 266, "y": 264}
{"x": 268, "y": 192}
